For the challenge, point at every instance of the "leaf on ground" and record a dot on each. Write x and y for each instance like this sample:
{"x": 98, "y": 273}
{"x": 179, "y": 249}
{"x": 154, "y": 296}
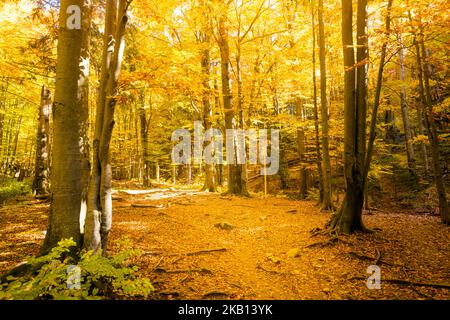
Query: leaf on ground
{"x": 293, "y": 253}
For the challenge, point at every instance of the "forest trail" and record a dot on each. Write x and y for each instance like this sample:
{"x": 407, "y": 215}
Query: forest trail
{"x": 205, "y": 246}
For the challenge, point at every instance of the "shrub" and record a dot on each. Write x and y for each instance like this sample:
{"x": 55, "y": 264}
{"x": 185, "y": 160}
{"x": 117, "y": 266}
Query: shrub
{"x": 100, "y": 277}
{"x": 13, "y": 188}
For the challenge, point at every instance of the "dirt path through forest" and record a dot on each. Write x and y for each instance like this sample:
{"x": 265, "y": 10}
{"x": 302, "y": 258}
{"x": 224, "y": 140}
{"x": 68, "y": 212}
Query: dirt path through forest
{"x": 203, "y": 246}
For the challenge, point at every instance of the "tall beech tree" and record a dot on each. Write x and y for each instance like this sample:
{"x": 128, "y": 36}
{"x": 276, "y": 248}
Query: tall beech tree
{"x": 237, "y": 176}
{"x": 70, "y": 154}
{"x": 349, "y": 217}
{"x": 99, "y": 199}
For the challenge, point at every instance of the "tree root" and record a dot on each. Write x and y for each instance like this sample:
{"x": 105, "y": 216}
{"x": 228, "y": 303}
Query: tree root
{"x": 375, "y": 260}
{"x": 333, "y": 240}
{"x": 270, "y": 271}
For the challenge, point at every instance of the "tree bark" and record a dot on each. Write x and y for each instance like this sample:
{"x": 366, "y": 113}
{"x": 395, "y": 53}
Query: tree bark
{"x": 42, "y": 165}
{"x": 376, "y": 103}
{"x": 316, "y": 109}
{"x": 405, "y": 114}
{"x": 236, "y": 177}
{"x": 327, "y": 203}
{"x": 99, "y": 213}
{"x": 144, "y": 141}
{"x": 210, "y": 169}
{"x": 70, "y": 122}
{"x": 303, "y": 192}
{"x": 349, "y": 217}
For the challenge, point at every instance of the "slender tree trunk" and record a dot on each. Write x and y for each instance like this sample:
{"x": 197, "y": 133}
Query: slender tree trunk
{"x": 327, "y": 203}
{"x": 349, "y": 217}
{"x": 236, "y": 179}
{"x": 316, "y": 109}
{"x": 70, "y": 122}
{"x": 210, "y": 169}
{"x": 144, "y": 141}
{"x": 301, "y": 152}
{"x": 42, "y": 166}
{"x": 376, "y": 103}
{"x": 99, "y": 213}
{"x": 405, "y": 113}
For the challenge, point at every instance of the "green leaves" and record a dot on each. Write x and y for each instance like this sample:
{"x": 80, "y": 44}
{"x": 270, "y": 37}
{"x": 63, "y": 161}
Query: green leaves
{"x": 99, "y": 278}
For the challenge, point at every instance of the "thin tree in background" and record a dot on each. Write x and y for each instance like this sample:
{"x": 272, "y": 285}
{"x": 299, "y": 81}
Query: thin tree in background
{"x": 41, "y": 183}
{"x": 327, "y": 203}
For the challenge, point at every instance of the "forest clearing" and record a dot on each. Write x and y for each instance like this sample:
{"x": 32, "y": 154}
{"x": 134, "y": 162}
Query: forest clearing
{"x": 224, "y": 150}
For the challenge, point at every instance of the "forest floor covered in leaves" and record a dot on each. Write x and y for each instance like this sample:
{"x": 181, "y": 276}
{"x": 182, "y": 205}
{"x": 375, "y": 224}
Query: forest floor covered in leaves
{"x": 207, "y": 246}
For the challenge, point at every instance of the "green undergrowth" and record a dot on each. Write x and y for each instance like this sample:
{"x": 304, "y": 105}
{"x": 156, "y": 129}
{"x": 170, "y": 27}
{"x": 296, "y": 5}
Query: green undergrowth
{"x": 10, "y": 189}
{"x": 60, "y": 276}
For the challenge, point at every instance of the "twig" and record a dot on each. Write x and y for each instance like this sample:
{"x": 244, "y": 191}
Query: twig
{"x": 270, "y": 271}
{"x": 203, "y": 270}
{"x": 214, "y": 294}
{"x": 157, "y": 265}
{"x": 377, "y": 260}
{"x": 410, "y": 283}
{"x": 206, "y": 251}
{"x": 140, "y": 205}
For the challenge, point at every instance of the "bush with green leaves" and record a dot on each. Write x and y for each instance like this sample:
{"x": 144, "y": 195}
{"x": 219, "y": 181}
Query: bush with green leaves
{"x": 100, "y": 277}
{"x": 12, "y": 188}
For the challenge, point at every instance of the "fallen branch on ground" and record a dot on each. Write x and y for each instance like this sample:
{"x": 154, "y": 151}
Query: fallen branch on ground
{"x": 214, "y": 294}
{"x": 410, "y": 283}
{"x": 206, "y": 251}
{"x": 203, "y": 270}
{"x": 141, "y": 205}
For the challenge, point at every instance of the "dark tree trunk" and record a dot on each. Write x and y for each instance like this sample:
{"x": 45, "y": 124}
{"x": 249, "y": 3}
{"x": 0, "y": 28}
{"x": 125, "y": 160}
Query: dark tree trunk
{"x": 42, "y": 166}
{"x": 349, "y": 217}
{"x": 236, "y": 176}
{"x": 327, "y": 203}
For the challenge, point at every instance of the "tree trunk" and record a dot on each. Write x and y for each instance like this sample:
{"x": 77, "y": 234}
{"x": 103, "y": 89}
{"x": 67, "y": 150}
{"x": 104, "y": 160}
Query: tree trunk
{"x": 70, "y": 122}
{"x": 376, "y": 103}
{"x": 349, "y": 217}
{"x": 327, "y": 203}
{"x": 236, "y": 177}
{"x": 210, "y": 169}
{"x": 144, "y": 141}
{"x": 41, "y": 179}
{"x": 301, "y": 152}
{"x": 316, "y": 109}
{"x": 405, "y": 114}
{"x": 99, "y": 213}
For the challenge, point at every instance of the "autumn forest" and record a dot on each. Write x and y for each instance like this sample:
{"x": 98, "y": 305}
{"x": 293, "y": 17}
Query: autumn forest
{"x": 224, "y": 150}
